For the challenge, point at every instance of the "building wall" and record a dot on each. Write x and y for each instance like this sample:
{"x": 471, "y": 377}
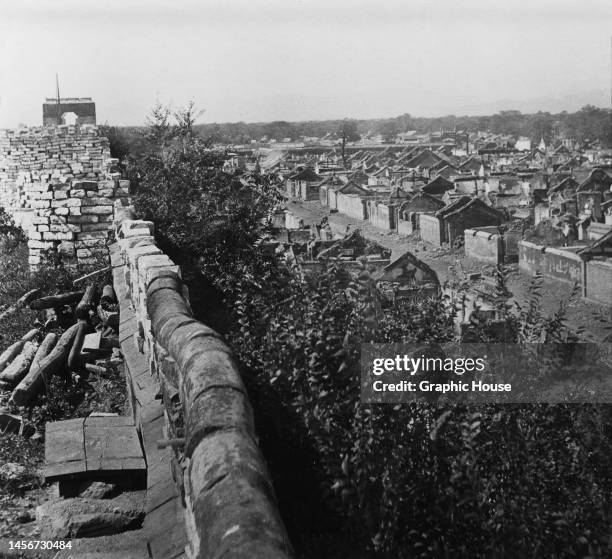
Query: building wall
{"x": 292, "y": 221}
{"x": 352, "y": 205}
{"x": 309, "y": 191}
{"x": 551, "y": 262}
{"x": 599, "y": 281}
{"x": 405, "y": 227}
{"x": 63, "y": 177}
{"x": 511, "y": 241}
{"x": 596, "y": 231}
{"x": 484, "y": 245}
{"x": 323, "y": 195}
{"x": 431, "y": 229}
{"x": 467, "y": 219}
{"x": 86, "y": 112}
{"x": 540, "y": 212}
{"x": 332, "y": 199}
{"x": 381, "y": 215}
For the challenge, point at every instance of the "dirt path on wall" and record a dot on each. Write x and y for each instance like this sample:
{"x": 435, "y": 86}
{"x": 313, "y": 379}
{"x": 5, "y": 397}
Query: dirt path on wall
{"x": 595, "y": 319}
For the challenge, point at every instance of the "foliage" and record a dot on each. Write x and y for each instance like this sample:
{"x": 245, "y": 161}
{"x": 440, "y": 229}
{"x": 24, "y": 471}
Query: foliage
{"x": 362, "y": 480}
{"x": 186, "y": 183}
{"x": 118, "y": 141}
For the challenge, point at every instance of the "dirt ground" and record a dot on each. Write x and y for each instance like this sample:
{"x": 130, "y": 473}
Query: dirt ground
{"x": 595, "y": 320}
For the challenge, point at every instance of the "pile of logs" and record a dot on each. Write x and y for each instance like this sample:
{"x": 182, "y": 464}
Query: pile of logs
{"x": 89, "y": 320}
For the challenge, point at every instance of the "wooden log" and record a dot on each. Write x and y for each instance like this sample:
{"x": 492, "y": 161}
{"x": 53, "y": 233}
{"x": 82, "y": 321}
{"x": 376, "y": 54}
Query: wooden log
{"x": 91, "y": 275}
{"x": 20, "y": 303}
{"x": 96, "y": 369}
{"x": 10, "y": 353}
{"x": 36, "y": 379}
{"x": 31, "y": 335}
{"x": 27, "y": 298}
{"x": 44, "y": 349}
{"x": 20, "y": 366}
{"x": 75, "y": 352}
{"x": 87, "y": 303}
{"x": 108, "y": 297}
{"x": 54, "y": 301}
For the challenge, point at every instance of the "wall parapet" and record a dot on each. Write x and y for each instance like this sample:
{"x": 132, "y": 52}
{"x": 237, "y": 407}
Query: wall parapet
{"x": 230, "y": 506}
{"x": 562, "y": 265}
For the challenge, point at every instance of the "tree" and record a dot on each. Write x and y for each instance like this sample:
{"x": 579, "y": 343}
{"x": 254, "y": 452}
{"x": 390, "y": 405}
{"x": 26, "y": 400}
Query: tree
{"x": 347, "y": 131}
{"x": 389, "y": 129}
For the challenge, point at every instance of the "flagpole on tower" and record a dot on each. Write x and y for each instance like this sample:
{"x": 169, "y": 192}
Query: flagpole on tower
{"x": 59, "y": 116}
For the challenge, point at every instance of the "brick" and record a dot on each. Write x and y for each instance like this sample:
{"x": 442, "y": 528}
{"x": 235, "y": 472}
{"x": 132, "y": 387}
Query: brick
{"x": 95, "y": 226}
{"x": 91, "y": 235}
{"x": 66, "y": 236}
{"x": 97, "y": 210}
{"x": 67, "y": 203}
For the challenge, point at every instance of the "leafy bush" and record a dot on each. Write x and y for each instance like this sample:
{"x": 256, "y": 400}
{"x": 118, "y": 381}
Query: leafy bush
{"x": 414, "y": 480}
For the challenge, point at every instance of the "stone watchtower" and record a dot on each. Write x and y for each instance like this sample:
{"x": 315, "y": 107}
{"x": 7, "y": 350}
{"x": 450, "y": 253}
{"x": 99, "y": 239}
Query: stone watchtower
{"x": 69, "y": 110}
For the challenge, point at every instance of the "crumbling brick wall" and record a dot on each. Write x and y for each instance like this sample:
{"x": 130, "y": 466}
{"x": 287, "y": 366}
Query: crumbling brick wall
{"x": 66, "y": 180}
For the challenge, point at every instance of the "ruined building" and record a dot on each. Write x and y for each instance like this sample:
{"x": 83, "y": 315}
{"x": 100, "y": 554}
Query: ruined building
{"x": 69, "y": 110}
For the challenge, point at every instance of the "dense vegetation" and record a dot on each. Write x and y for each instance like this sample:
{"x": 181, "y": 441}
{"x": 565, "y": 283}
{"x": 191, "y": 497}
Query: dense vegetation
{"x": 589, "y": 123}
{"x": 358, "y": 480}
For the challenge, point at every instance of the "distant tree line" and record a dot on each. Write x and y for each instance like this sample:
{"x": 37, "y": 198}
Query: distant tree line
{"x": 589, "y": 123}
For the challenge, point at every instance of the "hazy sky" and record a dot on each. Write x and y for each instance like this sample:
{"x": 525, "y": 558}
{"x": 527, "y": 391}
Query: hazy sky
{"x": 257, "y": 60}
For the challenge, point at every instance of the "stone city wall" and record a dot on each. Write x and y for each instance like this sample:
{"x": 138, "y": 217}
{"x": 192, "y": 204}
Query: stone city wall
{"x": 230, "y": 510}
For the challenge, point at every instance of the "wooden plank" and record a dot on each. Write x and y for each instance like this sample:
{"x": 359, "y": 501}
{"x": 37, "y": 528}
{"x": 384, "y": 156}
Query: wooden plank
{"x": 63, "y": 425}
{"x": 65, "y": 445}
{"x": 53, "y": 472}
{"x": 104, "y": 444}
{"x": 92, "y": 342}
{"x": 111, "y": 464}
{"x": 90, "y": 448}
{"x": 133, "y": 464}
{"x": 109, "y": 421}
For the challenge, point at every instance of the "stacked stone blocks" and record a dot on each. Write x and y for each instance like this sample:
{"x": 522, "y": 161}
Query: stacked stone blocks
{"x": 68, "y": 180}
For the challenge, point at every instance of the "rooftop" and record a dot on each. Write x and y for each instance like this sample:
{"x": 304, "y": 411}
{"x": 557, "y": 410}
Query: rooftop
{"x": 69, "y": 100}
